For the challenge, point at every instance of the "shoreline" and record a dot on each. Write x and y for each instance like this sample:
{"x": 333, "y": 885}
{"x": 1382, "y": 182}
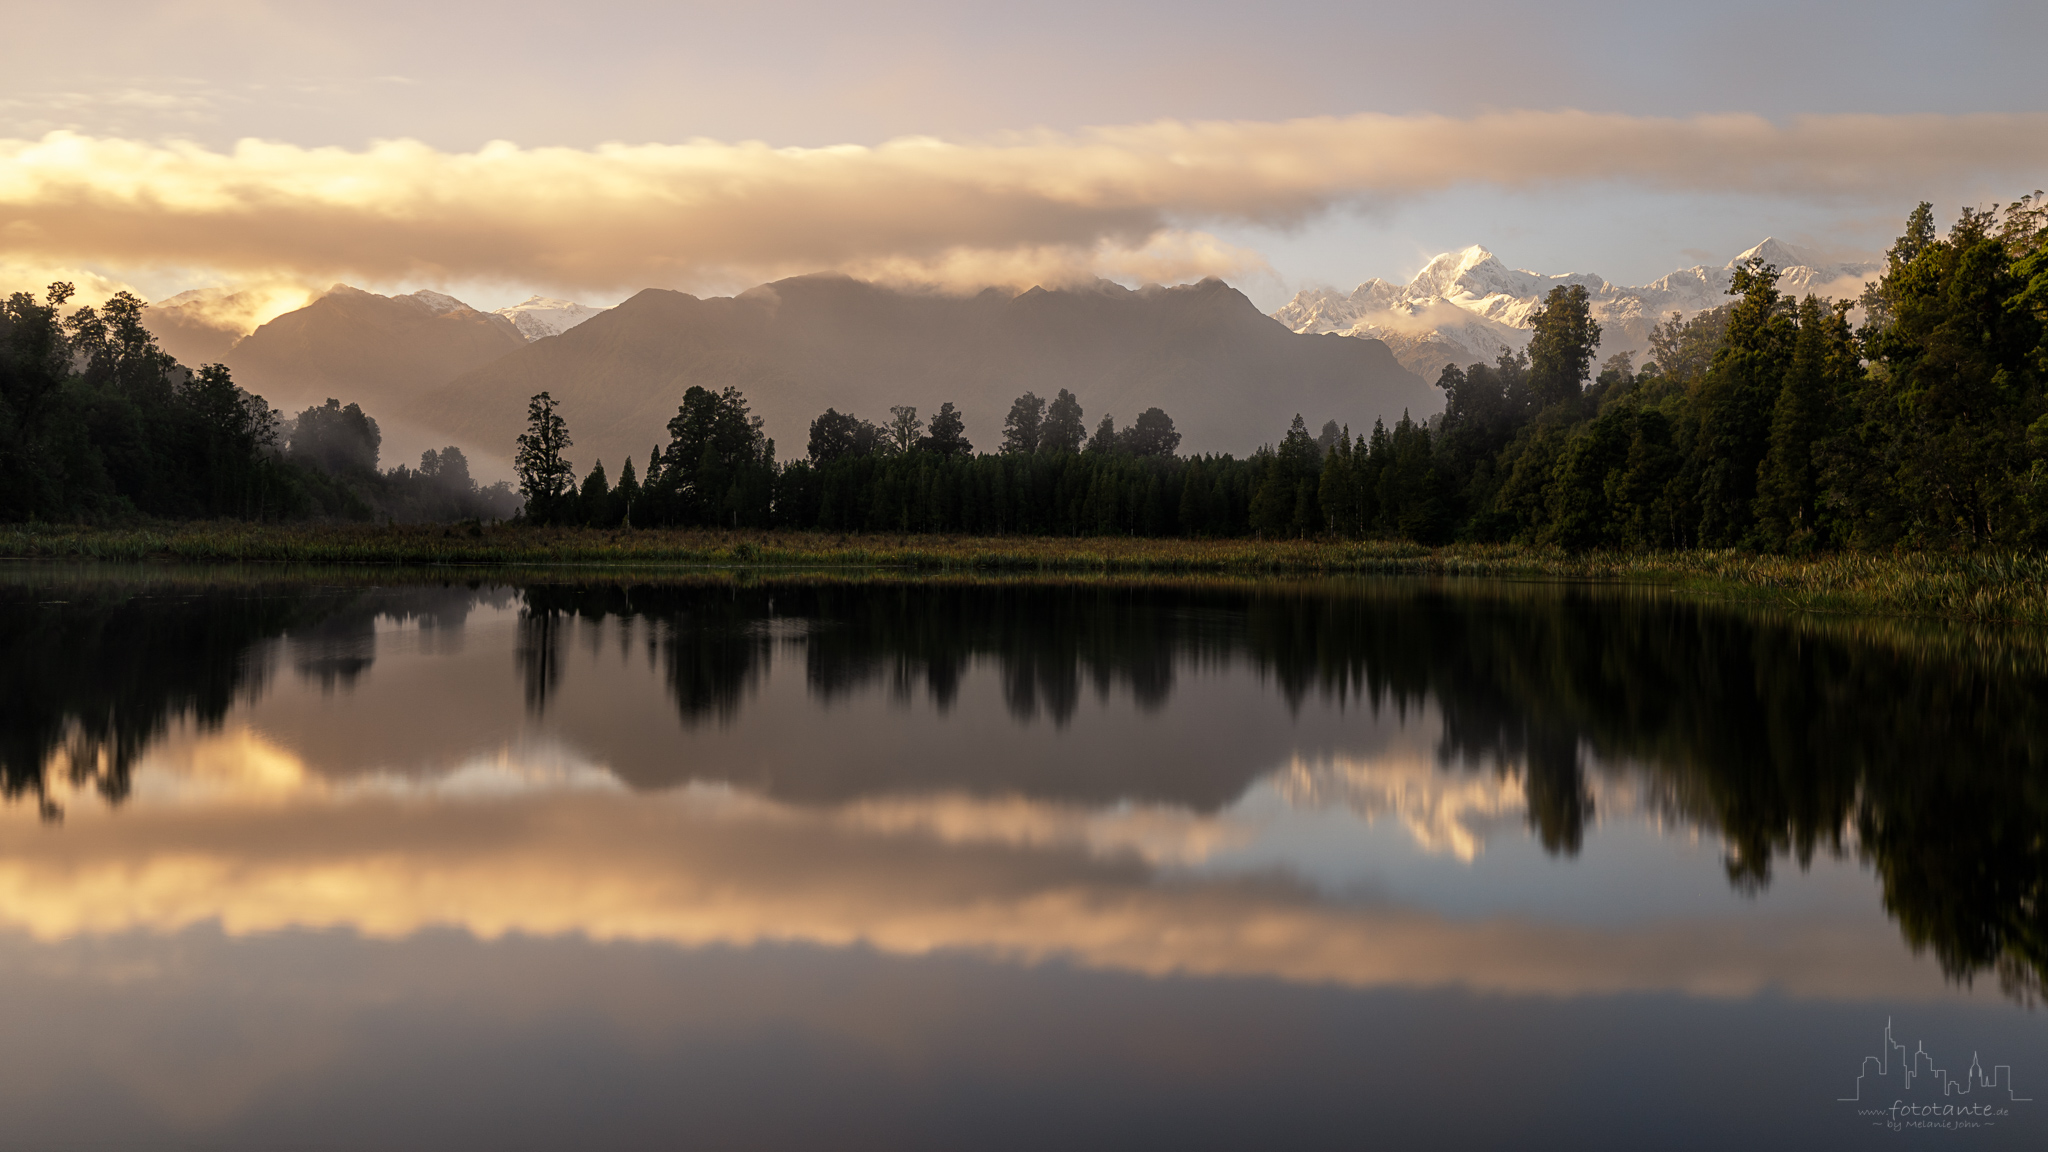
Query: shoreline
{"x": 1977, "y": 587}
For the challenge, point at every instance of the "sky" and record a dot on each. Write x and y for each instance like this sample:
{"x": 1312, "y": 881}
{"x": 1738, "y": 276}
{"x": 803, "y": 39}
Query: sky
{"x": 593, "y": 149}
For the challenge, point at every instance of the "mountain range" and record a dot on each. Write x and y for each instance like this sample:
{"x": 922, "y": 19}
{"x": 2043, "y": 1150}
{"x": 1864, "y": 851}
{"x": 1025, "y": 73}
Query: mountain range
{"x": 435, "y": 371}
{"x": 1230, "y": 376}
{"x": 1467, "y": 306}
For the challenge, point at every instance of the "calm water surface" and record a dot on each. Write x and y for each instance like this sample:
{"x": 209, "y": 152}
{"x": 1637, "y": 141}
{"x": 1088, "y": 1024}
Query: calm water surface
{"x": 357, "y": 859}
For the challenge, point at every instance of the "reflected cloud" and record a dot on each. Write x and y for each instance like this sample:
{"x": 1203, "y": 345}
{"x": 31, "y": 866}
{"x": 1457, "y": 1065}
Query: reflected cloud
{"x": 1444, "y": 813}
{"x": 1008, "y": 879}
{"x": 240, "y": 767}
{"x": 1080, "y": 725}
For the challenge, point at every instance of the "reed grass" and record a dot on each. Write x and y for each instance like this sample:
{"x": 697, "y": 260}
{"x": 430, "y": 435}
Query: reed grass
{"x": 1982, "y": 587}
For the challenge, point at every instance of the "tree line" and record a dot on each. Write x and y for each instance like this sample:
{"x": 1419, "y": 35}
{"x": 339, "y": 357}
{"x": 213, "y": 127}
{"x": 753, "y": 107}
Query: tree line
{"x": 98, "y": 423}
{"x": 1767, "y": 423}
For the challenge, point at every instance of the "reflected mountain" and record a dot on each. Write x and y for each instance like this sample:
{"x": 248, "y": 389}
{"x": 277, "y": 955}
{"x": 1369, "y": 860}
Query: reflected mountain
{"x": 1922, "y": 750}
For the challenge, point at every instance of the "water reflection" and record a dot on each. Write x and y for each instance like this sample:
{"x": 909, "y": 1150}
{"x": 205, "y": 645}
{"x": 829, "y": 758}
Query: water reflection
{"x": 1920, "y": 751}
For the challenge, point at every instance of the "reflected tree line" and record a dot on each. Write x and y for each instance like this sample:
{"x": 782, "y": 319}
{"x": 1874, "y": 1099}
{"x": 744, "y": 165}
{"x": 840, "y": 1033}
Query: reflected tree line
{"x": 1786, "y": 737}
{"x": 713, "y": 642}
{"x": 95, "y": 673}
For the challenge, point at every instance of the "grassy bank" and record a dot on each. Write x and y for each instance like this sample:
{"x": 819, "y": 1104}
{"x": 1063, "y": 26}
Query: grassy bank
{"x": 1981, "y": 587}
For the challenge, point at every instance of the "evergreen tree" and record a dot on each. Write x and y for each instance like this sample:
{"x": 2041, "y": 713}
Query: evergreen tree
{"x": 1958, "y": 372}
{"x": 1062, "y": 430}
{"x": 1583, "y": 482}
{"x": 338, "y": 440}
{"x": 1337, "y": 491}
{"x": 594, "y": 501}
{"x": 1285, "y": 503}
{"x": 1021, "y": 426}
{"x": 903, "y": 429}
{"x": 718, "y": 467}
{"x": 1561, "y": 349}
{"x": 627, "y": 494}
{"x": 1151, "y": 434}
{"x": 545, "y": 476}
{"x": 1647, "y": 506}
{"x": 1105, "y": 438}
{"x": 948, "y": 438}
{"x": 1376, "y": 458}
{"x": 836, "y": 435}
{"x": 236, "y": 432}
{"x": 1788, "y": 482}
{"x": 1736, "y": 403}
{"x": 1682, "y": 349}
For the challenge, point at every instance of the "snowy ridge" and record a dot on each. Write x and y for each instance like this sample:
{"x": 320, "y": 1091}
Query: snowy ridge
{"x": 1467, "y": 306}
{"x": 438, "y": 303}
{"x": 540, "y": 316}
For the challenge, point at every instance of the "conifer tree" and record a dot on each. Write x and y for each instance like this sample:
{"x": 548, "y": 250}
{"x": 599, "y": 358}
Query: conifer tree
{"x": 948, "y": 436}
{"x": 627, "y": 494}
{"x": 1104, "y": 441}
{"x": 1021, "y": 426}
{"x": 1787, "y": 480}
{"x": 1561, "y": 351}
{"x": 1062, "y": 430}
{"x": 1736, "y": 403}
{"x": 545, "y": 476}
{"x": 594, "y": 501}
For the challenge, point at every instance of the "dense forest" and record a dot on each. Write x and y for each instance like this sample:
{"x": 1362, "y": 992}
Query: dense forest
{"x": 97, "y": 423}
{"x": 1768, "y": 423}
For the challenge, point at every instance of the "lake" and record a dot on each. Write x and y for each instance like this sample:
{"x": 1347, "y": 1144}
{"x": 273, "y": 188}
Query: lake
{"x": 550, "y": 858}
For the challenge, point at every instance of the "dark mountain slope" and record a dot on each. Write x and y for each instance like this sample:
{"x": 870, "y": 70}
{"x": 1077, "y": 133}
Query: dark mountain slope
{"x": 1230, "y": 376}
{"x": 378, "y": 351}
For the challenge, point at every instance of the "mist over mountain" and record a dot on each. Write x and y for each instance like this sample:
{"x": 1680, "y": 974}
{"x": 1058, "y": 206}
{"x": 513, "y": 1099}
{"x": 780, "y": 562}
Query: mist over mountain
{"x": 200, "y": 326}
{"x": 1230, "y": 376}
{"x": 1467, "y": 306}
{"x": 377, "y": 351}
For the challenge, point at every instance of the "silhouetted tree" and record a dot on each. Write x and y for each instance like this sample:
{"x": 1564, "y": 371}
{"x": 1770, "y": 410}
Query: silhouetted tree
{"x": 627, "y": 493}
{"x": 903, "y": 429}
{"x": 1151, "y": 434}
{"x": 1287, "y": 503}
{"x": 335, "y": 439}
{"x": 1062, "y": 430}
{"x": 718, "y": 467}
{"x": 594, "y": 500}
{"x": 948, "y": 438}
{"x": 545, "y": 476}
{"x": 836, "y": 435}
{"x": 1021, "y": 426}
{"x": 1105, "y": 438}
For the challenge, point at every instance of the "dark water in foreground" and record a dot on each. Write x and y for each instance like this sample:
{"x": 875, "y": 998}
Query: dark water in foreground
{"x": 307, "y": 862}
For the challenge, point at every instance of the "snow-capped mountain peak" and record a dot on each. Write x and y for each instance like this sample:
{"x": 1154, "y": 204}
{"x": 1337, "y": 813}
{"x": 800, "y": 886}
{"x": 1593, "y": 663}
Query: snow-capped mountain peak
{"x": 1468, "y": 306}
{"x": 439, "y": 303}
{"x": 1774, "y": 252}
{"x": 1472, "y": 269}
{"x": 539, "y": 316}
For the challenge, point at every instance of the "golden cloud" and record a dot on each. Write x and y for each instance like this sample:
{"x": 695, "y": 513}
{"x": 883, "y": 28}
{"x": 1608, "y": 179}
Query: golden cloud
{"x": 1024, "y": 206}
{"x": 251, "y": 841}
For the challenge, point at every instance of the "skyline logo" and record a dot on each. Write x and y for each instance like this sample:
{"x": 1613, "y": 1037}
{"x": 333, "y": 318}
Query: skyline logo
{"x": 1971, "y": 1100}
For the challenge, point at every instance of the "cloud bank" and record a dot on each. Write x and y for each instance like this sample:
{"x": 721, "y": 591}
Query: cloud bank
{"x": 1032, "y": 207}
